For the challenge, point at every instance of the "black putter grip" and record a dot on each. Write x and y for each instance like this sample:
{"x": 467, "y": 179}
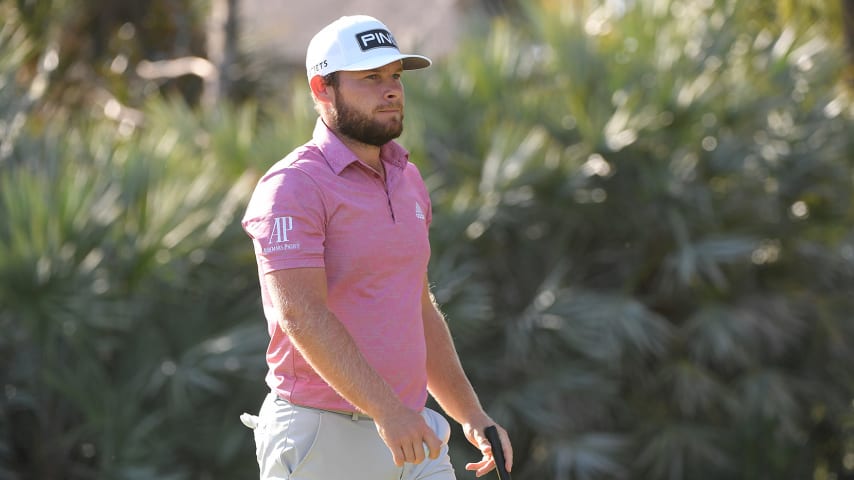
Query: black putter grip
{"x": 497, "y": 452}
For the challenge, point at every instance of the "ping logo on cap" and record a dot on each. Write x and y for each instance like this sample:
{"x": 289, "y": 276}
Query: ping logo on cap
{"x": 375, "y": 39}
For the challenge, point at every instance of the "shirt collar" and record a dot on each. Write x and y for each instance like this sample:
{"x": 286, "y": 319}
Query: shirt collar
{"x": 338, "y": 156}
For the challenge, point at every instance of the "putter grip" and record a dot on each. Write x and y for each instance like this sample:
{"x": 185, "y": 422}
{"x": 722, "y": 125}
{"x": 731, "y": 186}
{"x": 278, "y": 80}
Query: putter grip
{"x": 497, "y": 452}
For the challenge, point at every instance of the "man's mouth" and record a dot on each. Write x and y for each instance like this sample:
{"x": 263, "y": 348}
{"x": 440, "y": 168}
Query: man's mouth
{"x": 390, "y": 109}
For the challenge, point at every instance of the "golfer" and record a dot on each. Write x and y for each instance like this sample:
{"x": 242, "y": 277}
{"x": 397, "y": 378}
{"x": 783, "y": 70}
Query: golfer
{"x": 340, "y": 230}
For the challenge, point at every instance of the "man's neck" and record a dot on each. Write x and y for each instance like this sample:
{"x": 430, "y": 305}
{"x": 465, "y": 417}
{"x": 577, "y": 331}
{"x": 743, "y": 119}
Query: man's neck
{"x": 369, "y": 154}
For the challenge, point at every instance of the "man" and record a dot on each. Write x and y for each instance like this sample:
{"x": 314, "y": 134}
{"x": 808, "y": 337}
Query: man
{"x": 340, "y": 229}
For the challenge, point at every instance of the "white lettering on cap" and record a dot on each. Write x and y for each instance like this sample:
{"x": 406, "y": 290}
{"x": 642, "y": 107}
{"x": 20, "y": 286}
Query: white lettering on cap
{"x": 375, "y": 39}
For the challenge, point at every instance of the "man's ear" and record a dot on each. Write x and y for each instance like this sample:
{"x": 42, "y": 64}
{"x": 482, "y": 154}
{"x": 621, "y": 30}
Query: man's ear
{"x": 321, "y": 91}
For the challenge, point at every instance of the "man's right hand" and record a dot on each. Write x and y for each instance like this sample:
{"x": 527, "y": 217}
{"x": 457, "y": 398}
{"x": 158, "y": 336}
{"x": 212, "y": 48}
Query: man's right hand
{"x": 406, "y": 433}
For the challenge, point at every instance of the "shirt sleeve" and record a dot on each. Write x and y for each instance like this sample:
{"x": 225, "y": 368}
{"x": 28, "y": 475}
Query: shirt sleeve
{"x": 286, "y": 221}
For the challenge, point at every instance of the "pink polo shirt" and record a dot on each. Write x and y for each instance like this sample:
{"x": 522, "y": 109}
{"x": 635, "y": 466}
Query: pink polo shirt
{"x": 322, "y": 207}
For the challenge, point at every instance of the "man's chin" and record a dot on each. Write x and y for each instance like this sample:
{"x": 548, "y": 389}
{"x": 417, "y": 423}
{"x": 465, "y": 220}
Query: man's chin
{"x": 394, "y": 131}
{"x": 374, "y": 136}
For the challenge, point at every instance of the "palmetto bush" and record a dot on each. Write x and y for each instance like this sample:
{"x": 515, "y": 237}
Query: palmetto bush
{"x": 128, "y": 334}
{"x": 122, "y": 319}
{"x": 642, "y": 239}
{"x": 646, "y": 243}
{"x": 645, "y": 239}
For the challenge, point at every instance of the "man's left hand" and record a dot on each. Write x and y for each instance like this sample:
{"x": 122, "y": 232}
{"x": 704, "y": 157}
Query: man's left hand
{"x": 475, "y": 435}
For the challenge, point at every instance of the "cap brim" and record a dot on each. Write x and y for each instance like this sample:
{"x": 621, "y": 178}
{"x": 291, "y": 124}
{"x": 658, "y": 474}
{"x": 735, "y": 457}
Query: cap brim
{"x": 410, "y": 62}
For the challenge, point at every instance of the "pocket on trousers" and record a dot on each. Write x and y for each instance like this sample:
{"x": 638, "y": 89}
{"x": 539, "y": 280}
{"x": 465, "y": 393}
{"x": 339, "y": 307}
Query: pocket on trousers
{"x": 438, "y": 423}
{"x": 284, "y": 438}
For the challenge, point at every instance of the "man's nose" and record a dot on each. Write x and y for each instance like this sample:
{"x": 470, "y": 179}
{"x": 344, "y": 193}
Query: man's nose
{"x": 394, "y": 90}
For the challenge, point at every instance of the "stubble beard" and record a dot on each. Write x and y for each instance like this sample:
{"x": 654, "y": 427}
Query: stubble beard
{"x": 362, "y": 128}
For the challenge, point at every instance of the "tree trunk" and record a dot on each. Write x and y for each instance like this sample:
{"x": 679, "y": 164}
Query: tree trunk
{"x": 222, "y": 49}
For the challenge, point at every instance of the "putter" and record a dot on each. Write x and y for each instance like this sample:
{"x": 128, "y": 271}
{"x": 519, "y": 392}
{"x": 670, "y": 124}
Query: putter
{"x": 497, "y": 452}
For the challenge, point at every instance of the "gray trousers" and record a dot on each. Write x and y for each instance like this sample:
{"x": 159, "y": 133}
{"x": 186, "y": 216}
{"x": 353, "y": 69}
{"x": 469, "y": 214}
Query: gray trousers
{"x": 299, "y": 443}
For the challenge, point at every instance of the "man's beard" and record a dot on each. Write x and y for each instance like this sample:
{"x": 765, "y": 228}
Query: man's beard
{"x": 360, "y": 127}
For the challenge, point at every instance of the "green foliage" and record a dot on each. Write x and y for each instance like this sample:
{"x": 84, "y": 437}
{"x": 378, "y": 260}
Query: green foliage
{"x": 643, "y": 239}
{"x": 655, "y": 205}
{"x": 126, "y": 322}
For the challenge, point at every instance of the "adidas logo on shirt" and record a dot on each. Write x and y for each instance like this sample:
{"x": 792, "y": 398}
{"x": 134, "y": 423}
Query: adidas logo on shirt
{"x": 419, "y": 214}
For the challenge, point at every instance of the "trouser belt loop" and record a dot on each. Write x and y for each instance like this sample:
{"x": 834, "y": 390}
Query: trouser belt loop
{"x": 355, "y": 416}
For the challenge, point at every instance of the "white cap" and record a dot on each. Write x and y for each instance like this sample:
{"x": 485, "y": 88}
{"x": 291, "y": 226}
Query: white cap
{"x": 356, "y": 43}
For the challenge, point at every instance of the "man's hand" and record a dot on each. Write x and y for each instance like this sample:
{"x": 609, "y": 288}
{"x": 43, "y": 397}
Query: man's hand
{"x": 406, "y": 433}
{"x": 476, "y": 437}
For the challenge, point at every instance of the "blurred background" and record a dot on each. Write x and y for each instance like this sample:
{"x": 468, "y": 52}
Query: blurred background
{"x": 643, "y": 230}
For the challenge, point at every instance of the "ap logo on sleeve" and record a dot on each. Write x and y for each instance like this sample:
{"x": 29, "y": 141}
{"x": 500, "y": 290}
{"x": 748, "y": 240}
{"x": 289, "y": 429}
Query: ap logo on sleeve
{"x": 278, "y": 239}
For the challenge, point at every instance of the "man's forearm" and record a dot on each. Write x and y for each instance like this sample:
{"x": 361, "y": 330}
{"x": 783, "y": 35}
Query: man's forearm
{"x": 450, "y": 386}
{"x": 446, "y": 378}
{"x": 329, "y": 348}
{"x": 300, "y": 297}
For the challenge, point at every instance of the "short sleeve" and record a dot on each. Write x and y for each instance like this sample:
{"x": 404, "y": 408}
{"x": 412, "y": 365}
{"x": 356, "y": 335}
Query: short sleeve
{"x": 286, "y": 220}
